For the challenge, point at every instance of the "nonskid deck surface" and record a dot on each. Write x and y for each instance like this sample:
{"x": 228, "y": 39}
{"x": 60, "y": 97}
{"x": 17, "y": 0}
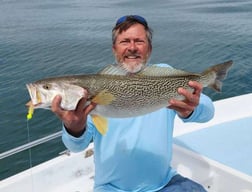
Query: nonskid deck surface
{"x": 229, "y": 143}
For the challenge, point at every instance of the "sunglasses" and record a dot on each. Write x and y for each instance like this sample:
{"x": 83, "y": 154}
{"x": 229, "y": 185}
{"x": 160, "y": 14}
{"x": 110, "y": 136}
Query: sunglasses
{"x": 135, "y": 17}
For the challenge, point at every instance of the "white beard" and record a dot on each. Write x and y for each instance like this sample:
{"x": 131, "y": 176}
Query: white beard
{"x": 131, "y": 67}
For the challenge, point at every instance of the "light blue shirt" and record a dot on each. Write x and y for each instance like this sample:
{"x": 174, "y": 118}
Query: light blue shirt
{"x": 135, "y": 153}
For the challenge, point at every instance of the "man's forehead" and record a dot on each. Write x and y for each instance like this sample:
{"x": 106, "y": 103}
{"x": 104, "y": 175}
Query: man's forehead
{"x": 135, "y": 31}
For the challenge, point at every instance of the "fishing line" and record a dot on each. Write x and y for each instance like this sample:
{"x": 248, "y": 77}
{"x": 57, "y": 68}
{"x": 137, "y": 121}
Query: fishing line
{"x": 30, "y": 154}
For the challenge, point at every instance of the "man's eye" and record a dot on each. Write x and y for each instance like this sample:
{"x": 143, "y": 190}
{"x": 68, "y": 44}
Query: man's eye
{"x": 124, "y": 41}
{"x": 140, "y": 41}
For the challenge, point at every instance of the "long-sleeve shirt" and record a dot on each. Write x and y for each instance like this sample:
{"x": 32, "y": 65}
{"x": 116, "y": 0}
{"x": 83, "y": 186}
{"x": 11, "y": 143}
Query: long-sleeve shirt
{"x": 135, "y": 153}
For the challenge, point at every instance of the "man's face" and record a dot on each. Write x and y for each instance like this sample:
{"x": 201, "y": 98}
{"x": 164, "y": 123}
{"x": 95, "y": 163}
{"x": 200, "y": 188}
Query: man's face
{"x": 132, "y": 49}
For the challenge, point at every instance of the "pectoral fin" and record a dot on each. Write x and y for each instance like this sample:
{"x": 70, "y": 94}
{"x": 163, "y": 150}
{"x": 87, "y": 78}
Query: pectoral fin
{"x": 103, "y": 98}
{"x": 100, "y": 123}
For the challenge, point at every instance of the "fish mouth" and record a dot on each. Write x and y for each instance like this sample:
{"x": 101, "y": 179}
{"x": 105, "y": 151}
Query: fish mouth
{"x": 34, "y": 95}
{"x": 30, "y": 104}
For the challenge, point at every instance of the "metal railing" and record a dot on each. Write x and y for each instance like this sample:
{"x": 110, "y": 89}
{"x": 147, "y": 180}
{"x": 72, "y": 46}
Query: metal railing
{"x": 30, "y": 145}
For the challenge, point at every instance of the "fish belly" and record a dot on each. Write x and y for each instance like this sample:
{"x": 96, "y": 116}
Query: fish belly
{"x": 127, "y": 111}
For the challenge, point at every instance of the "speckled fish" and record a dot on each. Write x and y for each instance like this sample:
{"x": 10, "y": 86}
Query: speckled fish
{"x": 119, "y": 95}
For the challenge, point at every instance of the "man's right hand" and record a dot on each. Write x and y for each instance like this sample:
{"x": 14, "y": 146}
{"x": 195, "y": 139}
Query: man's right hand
{"x": 74, "y": 120}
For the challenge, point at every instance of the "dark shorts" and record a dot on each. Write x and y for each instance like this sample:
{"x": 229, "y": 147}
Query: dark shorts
{"x": 182, "y": 184}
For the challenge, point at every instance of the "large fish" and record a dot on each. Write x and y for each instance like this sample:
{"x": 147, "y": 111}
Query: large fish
{"x": 119, "y": 95}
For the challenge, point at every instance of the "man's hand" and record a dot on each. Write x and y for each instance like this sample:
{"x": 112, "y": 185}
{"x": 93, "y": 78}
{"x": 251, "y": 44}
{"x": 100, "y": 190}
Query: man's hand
{"x": 75, "y": 120}
{"x": 185, "y": 107}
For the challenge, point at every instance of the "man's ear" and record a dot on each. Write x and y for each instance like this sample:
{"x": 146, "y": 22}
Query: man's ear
{"x": 150, "y": 49}
{"x": 113, "y": 48}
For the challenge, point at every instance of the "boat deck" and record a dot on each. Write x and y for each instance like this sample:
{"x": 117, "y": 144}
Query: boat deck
{"x": 228, "y": 143}
{"x": 220, "y": 147}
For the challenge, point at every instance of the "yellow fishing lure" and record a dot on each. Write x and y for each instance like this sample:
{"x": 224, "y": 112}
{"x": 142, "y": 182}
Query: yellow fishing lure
{"x": 30, "y": 112}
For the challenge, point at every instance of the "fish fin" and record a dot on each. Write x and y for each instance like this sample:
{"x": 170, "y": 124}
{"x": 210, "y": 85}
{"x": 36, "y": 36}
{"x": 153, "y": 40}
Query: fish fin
{"x": 101, "y": 124}
{"x": 103, "y": 98}
{"x": 163, "y": 71}
{"x": 220, "y": 71}
{"x": 113, "y": 70}
{"x": 147, "y": 71}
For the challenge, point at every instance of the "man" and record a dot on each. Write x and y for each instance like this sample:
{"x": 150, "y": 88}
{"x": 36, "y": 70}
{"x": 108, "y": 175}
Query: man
{"x": 135, "y": 153}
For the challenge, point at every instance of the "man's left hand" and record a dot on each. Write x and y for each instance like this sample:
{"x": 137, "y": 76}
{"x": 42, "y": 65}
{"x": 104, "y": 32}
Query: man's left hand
{"x": 185, "y": 107}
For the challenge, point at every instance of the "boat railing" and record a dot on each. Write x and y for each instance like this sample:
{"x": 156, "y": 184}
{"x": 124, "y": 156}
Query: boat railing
{"x": 30, "y": 145}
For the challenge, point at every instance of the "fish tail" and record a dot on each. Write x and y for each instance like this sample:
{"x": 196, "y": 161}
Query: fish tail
{"x": 219, "y": 71}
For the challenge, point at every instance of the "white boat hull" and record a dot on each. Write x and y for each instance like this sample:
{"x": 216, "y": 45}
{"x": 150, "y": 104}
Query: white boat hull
{"x": 75, "y": 172}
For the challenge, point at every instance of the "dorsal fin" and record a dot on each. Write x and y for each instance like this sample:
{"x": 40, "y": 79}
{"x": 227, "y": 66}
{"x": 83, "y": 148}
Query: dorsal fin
{"x": 113, "y": 70}
{"x": 162, "y": 71}
{"x": 147, "y": 71}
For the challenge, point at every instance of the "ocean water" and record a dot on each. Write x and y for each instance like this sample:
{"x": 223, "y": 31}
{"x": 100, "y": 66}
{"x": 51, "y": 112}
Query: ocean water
{"x": 39, "y": 39}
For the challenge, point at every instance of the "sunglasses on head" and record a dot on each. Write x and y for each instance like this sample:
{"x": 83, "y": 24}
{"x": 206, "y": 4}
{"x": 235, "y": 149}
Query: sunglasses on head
{"x": 136, "y": 17}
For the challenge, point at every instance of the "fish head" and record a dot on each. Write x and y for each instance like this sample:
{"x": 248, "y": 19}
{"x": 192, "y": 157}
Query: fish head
{"x": 42, "y": 94}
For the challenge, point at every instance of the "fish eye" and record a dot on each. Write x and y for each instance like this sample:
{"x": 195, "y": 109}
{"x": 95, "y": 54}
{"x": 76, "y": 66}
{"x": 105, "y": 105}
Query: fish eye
{"x": 47, "y": 86}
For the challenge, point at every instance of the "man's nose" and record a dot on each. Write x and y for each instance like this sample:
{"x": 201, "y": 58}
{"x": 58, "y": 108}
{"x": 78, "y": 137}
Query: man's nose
{"x": 132, "y": 46}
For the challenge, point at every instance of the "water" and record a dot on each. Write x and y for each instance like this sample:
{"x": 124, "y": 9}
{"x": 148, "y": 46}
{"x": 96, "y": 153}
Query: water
{"x": 46, "y": 38}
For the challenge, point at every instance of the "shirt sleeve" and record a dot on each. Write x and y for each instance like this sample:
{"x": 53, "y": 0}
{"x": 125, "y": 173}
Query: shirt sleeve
{"x": 77, "y": 144}
{"x": 203, "y": 112}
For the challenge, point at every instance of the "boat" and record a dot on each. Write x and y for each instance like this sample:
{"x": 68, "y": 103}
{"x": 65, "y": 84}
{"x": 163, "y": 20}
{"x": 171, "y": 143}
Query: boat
{"x": 216, "y": 154}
